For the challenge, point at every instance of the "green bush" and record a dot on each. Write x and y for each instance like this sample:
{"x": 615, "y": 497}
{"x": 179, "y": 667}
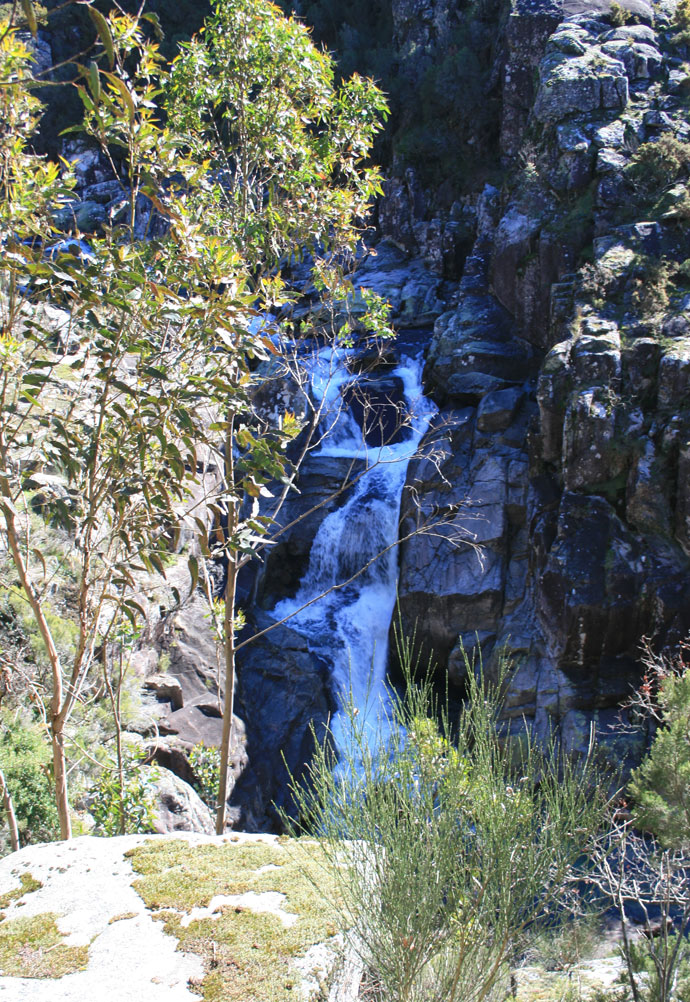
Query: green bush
{"x": 658, "y": 164}
{"x": 449, "y": 856}
{"x": 661, "y": 784}
{"x": 26, "y": 762}
{"x": 682, "y": 15}
{"x": 206, "y": 765}
{"x": 127, "y": 807}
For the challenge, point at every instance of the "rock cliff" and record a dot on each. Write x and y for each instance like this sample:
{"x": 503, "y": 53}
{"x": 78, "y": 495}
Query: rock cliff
{"x": 565, "y": 366}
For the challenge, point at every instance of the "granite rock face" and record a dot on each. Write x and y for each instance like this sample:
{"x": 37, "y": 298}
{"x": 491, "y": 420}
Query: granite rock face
{"x": 564, "y": 386}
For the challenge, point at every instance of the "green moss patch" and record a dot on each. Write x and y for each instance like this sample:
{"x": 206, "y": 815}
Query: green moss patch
{"x": 249, "y": 955}
{"x": 33, "y": 947}
{"x": 27, "y": 885}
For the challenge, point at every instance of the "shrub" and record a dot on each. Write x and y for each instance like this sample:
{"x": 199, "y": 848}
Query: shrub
{"x": 649, "y": 294}
{"x": 25, "y": 761}
{"x": 124, "y": 808}
{"x": 619, "y": 16}
{"x": 682, "y": 15}
{"x": 661, "y": 784}
{"x": 658, "y": 164}
{"x": 457, "y": 852}
{"x": 206, "y": 765}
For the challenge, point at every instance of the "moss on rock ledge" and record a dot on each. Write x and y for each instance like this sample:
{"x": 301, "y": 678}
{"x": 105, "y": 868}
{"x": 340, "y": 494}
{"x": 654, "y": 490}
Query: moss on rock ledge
{"x": 250, "y": 910}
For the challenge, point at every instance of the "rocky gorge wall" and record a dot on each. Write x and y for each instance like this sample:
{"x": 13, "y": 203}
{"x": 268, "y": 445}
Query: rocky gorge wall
{"x": 557, "y": 343}
{"x": 546, "y": 276}
{"x": 565, "y": 366}
{"x": 560, "y": 360}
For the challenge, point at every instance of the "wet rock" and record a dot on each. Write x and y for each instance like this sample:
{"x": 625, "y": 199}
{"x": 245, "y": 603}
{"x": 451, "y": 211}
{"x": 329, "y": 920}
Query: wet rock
{"x": 178, "y": 807}
{"x": 470, "y": 650}
{"x": 378, "y": 406}
{"x": 411, "y": 289}
{"x": 323, "y": 487}
{"x": 284, "y": 696}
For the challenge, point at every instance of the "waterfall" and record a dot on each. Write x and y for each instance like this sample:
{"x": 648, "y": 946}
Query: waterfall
{"x": 355, "y": 548}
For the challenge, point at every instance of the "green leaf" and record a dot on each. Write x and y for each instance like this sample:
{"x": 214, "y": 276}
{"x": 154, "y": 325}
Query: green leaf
{"x": 30, "y": 16}
{"x": 103, "y": 29}
{"x": 154, "y": 20}
{"x": 95, "y": 81}
{"x": 193, "y": 565}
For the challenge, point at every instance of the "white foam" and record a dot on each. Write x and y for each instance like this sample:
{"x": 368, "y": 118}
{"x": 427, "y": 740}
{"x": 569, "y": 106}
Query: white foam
{"x": 349, "y": 627}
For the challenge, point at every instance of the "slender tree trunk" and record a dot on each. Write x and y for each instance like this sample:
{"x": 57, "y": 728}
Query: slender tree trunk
{"x": 9, "y": 811}
{"x": 230, "y": 598}
{"x": 115, "y": 697}
{"x": 229, "y": 702}
{"x": 57, "y": 720}
{"x": 57, "y": 735}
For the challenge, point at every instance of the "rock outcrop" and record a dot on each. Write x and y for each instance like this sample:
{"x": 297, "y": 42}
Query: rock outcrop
{"x": 575, "y": 483}
{"x": 254, "y": 913}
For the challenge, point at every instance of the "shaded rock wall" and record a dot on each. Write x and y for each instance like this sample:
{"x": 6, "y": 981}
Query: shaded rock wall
{"x": 575, "y": 484}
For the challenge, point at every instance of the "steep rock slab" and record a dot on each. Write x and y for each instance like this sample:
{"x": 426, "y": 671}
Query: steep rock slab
{"x": 284, "y": 695}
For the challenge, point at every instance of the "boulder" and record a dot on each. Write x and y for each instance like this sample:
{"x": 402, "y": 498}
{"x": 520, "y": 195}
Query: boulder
{"x": 578, "y": 77}
{"x": 167, "y": 689}
{"x": 178, "y": 807}
{"x": 497, "y": 409}
{"x": 596, "y": 359}
{"x": 411, "y": 289}
{"x": 473, "y": 352}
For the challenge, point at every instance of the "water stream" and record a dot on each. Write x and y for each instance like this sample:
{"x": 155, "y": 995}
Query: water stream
{"x": 355, "y": 547}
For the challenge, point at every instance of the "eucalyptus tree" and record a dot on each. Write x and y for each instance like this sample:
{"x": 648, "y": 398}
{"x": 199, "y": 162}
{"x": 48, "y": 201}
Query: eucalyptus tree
{"x": 285, "y": 149}
{"x": 151, "y": 373}
{"x": 110, "y": 401}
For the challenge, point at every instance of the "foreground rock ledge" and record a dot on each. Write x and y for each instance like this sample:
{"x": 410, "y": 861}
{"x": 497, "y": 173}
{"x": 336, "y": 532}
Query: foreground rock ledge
{"x": 87, "y": 885}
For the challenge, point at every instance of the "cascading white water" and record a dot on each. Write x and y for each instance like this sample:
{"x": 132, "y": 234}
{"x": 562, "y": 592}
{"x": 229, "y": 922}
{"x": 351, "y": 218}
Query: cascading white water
{"x": 355, "y": 549}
